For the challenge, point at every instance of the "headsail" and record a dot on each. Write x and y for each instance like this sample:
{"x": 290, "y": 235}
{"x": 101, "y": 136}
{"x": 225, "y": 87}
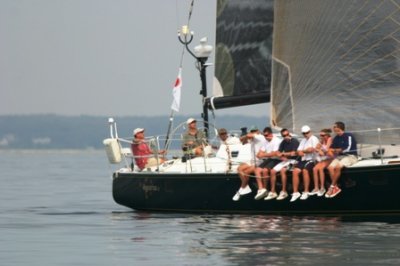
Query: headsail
{"x": 243, "y": 52}
{"x": 336, "y": 60}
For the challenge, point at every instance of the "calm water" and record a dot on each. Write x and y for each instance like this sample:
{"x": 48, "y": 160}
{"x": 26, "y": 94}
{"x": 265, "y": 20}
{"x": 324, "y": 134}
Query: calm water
{"x": 56, "y": 208}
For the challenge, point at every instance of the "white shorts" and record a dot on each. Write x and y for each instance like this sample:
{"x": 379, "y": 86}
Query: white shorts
{"x": 344, "y": 161}
{"x": 152, "y": 162}
{"x": 283, "y": 164}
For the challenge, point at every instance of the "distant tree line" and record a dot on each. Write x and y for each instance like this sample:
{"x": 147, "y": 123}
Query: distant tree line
{"x": 84, "y": 132}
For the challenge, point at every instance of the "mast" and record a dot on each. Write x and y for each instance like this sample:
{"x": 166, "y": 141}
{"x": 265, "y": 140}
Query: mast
{"x": 201, "y": 54}
{"x": 202, "y": 64}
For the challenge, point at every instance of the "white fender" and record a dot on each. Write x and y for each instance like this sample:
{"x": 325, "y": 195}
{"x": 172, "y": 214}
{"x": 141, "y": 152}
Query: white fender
{"x": 113, "y": 150}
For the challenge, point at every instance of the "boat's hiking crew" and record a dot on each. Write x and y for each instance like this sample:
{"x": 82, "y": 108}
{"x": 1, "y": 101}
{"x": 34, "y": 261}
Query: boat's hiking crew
{"x": 193, "y": 140}
{"x": 287, "y": 153}
{"x": 144, "y": 156}
{"x": 344, "y": 146}
{"x": 324, "y": 159}
{"x": 257, "y": 141}
{"x": 316, "y": 155}
{"x": 307, "y": 151}
{"x": 269, "y": 155}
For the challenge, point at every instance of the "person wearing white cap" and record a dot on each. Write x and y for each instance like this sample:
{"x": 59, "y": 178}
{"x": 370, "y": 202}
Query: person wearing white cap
{"x": 144, "y": 156}
{"x": 194, "y": 140}
{"x": 307, "y": 149}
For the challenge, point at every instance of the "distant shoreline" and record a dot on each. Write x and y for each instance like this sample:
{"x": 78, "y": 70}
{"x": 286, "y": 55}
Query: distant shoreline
{"x": 55, "y": 132}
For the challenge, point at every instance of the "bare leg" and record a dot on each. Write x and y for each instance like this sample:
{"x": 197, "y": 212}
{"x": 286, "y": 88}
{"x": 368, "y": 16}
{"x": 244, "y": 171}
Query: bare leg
{"x": 250, "y": 171}
{"x": 242, "y": 170}
{"x": 273, "y": 180}
{"x": 316, "y": 171}
{"x": 306, "y": 179}
{"x": 284, "y": 179}
{"x": 258, "y": 172}
{"x": 336, "y": 176}
{"x": 331, "y": 170}
{"x": 265, "y": 177}
{"x": 296, "y": 172}
{"x": 322, "y": 174}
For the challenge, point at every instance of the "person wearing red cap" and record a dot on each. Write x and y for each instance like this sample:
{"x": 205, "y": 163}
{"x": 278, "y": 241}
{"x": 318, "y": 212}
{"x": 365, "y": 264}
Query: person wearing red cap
{"x": 144, "y": 156}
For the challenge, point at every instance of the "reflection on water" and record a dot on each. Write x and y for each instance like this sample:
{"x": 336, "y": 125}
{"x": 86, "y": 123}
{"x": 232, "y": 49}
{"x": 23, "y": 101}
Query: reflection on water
{"x": 57, "y": 209}
{"x": 262, "y": 240}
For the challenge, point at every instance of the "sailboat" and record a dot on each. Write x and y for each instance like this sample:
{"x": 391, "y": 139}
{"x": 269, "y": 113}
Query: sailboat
{"x": 316, "y": 62}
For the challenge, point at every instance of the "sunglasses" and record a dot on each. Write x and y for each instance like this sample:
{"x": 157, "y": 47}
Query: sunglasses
{"x": 305, "y": 133}
{"x": 284, "y": 136}
{"x": 322, "y": 135}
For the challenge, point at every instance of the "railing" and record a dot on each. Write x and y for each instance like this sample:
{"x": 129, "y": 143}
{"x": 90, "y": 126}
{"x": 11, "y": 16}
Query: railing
{"x": 172, "y": 144}
{"x": 383, "y": 146}
{"x": 379, "y": 143}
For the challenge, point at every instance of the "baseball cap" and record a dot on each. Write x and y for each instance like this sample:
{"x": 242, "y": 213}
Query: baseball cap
{"x": 190, "y": 120}
{"x": 253, "y": 128}
{"x": 305, "y": 129}
{"x": 137, "y": 130}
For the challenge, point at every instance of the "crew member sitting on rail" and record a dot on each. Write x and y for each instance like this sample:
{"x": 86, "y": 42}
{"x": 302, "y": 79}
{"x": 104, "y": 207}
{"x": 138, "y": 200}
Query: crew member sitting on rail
{"x": 269, "y": 155}
{"x": 344, "y": 147}
{"x": 245, "y": 169}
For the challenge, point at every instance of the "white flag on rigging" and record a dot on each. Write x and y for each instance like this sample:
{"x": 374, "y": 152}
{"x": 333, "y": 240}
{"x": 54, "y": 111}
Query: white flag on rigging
{"x": 177, "y": 92}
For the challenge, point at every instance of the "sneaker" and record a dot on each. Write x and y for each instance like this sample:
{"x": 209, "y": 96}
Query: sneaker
{"x": 282, "y": 195}
{"x": 321, "y": 192}
{"x": 261, "y": 193}
{"x": 295, "y": 196}
{"x": 244, "y": 191}
{"x": 304, "y": 195}
{"x": 329, "y": 193}
{"x": 271, "y": 195}
{"x": 236, "y": 197}
{"x": 314, "y": 192}
{"x": 336, "y": 190}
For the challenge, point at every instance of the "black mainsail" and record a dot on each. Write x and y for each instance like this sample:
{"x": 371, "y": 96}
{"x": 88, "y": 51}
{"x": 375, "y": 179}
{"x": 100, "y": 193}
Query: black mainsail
{"x": 243, "y": 53}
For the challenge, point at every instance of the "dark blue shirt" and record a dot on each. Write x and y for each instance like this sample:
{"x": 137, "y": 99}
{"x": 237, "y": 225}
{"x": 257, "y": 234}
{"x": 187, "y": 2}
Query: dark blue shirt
{"x": 288, "y": 145}
{"x": 346, "y": 142}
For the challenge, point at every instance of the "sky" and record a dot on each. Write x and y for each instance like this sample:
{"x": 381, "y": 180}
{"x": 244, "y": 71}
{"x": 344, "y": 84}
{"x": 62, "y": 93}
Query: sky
{"x": 102, "y": 57}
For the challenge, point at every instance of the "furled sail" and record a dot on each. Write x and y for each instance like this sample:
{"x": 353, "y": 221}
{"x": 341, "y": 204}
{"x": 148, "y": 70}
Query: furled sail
{"x": 336, "y": 61}
{"x": 243, "y": 53}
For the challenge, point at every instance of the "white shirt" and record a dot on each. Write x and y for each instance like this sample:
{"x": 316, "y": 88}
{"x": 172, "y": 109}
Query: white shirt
{"x": 272, "y": 145}
{"x": 311, "y": 142}
{"x": 257, "y": 143}
{"x": 232, "y": 143}
{"x": 231, "y": 140}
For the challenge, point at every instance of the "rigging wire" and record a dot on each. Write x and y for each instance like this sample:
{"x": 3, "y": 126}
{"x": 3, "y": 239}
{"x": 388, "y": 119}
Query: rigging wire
{"x": 171, "y": 117}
